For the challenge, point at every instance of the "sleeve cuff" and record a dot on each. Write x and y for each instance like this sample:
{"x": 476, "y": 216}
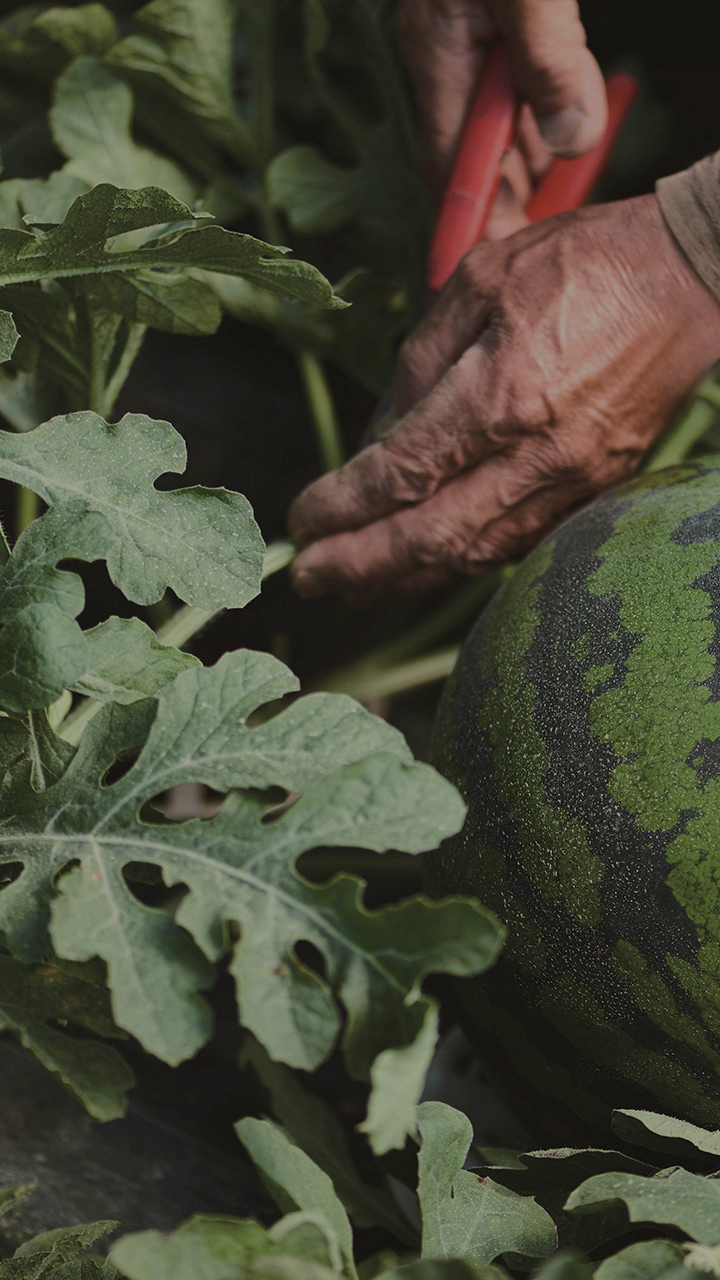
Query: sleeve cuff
{"x": 690, "y": 205}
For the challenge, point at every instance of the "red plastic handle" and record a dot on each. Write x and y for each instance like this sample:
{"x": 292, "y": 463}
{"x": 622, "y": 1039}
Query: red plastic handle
{"x": 568, "y": 183}
{"x": 474, "y": 181}
{"x": 488, "y": 134}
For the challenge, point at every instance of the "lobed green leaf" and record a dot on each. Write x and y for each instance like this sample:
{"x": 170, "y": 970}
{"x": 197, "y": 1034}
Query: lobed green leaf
{"x": 357, "y": 786}
{"x": 125, "y": 662}
{"x": 465, "y": 1216}
{"x": 667, "y": 1133}
{"x": 295, "y": 1180}
{"x": 80, "y": 246}
{"x": 182, "y": 539}
{"x": 674, "y": 1197}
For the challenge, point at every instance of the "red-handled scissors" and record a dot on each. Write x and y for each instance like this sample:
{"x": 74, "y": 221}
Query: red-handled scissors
{"x": 489, "y": 131}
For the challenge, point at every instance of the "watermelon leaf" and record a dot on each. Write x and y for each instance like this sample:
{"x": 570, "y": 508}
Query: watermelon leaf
{"x": 666, "y": 1133}
{"x": 184, "y": 56}
{"x": 12, "y": 1196}
{"x": 356, "y": 786}
{"x": 8, "y": 336}
{"x": 50, "y": 1255}
{"x": 294, "y": 1179}
{"x": 42, "y": 649}
{"x": 125, "y": 661}
{"x": 81, "y": 246}
{"x": 673, "y": 1197}
{"x": 550, "y": 1176}
{"x": 216, "y": 1248}
{"x": 465, "y": 1216}
{"x": 159, "y": 540}
{"x": 398, "y": 1076}
{"x": 34, "y": 999}
{"x": 646, "y": 1260}
{"x": 41, "y": 44}
{"x": 313, "y": 1123}
{"x": 90, "y": 122}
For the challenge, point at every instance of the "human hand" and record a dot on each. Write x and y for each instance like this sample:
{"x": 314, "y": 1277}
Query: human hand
{"x": 547, "y": 366}
{"x": 444, "y": 44}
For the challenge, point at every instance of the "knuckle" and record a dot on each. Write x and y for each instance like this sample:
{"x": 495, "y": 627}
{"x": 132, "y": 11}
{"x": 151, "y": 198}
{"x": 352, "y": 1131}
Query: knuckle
{"x": 441, "y": 544}
{"x": 411, "y": 368}
{"x": 409, "y": 480}
{"x": 473, "y": 269}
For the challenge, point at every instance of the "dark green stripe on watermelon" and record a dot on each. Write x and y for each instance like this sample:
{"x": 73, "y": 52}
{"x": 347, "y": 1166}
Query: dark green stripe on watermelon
{"x": 582, "y": 725}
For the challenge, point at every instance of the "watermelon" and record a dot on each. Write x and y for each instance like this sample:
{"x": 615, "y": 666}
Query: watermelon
{"x": 582, "y": 725}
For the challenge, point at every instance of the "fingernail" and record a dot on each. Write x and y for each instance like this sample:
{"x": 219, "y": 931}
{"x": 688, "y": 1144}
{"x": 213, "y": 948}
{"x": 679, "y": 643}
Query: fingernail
{"x": 306, "y": 583}
{"x": 563, "y": 132}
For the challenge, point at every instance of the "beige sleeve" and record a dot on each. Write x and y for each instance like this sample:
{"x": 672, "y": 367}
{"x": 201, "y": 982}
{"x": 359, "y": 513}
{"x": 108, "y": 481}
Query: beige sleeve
{"x": 690, "y": 204}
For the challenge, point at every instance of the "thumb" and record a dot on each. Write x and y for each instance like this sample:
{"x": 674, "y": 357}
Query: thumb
{"x": 555, "y": 71}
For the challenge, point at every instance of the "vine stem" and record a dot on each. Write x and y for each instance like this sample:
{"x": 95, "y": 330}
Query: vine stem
{"x": 136, "y": 334}
{"x": 322, "y": 409}
{"x": 428, "y": 669}
{"x": 27, "y": 510}
{"x": 464, "y": 603}
{"x": 688, "y": 431}
{"x": 181, "y": 628}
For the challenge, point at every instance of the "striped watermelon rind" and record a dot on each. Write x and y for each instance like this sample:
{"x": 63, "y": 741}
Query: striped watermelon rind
{"x": 582, "y": 725}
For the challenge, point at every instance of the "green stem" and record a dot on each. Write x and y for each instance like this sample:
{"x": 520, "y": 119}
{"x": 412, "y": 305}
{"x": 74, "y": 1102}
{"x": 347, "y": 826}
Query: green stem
{"x": 37, "y": 773}
{"x": 189, "y": 620}
{"x": 27, "y": 509}
{"x": 103, "y": 327}
{"x": 136, "y": 335}
{"x": 264, "y": 83}
{"x": 311, "y": 370}
{"x": 325, "y": 422}
{"x": 277, "y": 556}
{"x": 185, "y": 624}
{"x": 465, "y": 603}
{"x": 680, "y": 440}
{"x": 400, "y": 679}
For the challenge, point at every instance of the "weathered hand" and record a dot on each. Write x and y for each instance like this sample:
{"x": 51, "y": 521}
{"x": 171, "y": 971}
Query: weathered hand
{"x": 546, "y": 368}
{"x": 444, "y": 43}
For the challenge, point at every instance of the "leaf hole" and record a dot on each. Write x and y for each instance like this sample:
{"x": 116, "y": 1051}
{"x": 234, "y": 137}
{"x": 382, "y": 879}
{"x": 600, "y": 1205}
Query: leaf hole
{"x": 188, "y": 800}
{"x": 277, "y": 810}
{"x": 310, "y": 956}
{"x": 145, "y": 883}
{"x": 117, "y": 770}
{"x": 9, "y": 872}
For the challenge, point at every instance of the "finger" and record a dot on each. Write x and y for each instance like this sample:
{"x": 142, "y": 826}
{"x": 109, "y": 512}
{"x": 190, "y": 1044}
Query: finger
{"x": 537, "y": 156}
{"x": 437, "y": 440}
{"x": 441, "y": 535}
{"x": 443, "y": 42}
{"x": 424, "y": 582}
{"x": 508, "y": 211}
{"x": 555, "y": 71}
{"x": 453, "y": 322}
{"x": 508, "y": 538}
